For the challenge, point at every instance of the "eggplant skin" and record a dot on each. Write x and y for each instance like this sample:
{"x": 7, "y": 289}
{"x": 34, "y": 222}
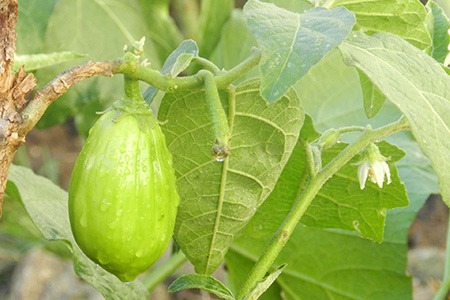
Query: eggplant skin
{"x": 122, "y": 194}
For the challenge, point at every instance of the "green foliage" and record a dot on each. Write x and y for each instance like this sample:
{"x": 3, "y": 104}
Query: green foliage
{"x": 393, "y": 66}
{"x": 220, "y": 197}
{"x": 286, "y": 38}
{"x": 373, "y": 98}
{"x": 40, "y": 197}
{"x": 175, "y": 63}
{"x": 204, "y": 282}
{"x": 440, "y": 34}
{"x": 406, "y": 18}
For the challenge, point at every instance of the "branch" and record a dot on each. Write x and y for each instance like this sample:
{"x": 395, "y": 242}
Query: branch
{"x": 58, "y": 86}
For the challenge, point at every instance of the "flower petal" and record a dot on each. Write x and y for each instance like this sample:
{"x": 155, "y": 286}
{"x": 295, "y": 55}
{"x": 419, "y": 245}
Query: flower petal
{"x": 363, "y": 172}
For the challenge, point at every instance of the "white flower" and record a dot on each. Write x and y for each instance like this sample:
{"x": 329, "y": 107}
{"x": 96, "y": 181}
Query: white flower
{"x": 373, "y": 166}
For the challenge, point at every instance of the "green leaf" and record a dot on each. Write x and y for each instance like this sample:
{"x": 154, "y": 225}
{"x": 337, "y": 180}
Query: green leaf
{"x": 203, "y": 282}
{"x": 292, "y": 43}
{"x": 46, "y": 204}
{"x": 336, "y": 104}
{"x": 218, "y": 198}
{"x": 340, "y": 203}
{"x": 441, "y": 37}
{"x": 213, "y": 15}
{"x": 264, "y": 285}
{"x": 38, "y": 61}
{"x": 393, "y": 66}
{"x": 175, "y": 63}
{"x": 324, "y": 263}
{"x": 406, "y": 18}
{"x": 373, "y": 98}
{"x": 162, "y": 29}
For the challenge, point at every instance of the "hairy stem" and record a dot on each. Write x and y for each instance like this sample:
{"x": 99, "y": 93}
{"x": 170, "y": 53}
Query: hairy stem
{"x": 207, "y": 64}
{"x": 279, "y": 240}
{"x": 217, "y": 115}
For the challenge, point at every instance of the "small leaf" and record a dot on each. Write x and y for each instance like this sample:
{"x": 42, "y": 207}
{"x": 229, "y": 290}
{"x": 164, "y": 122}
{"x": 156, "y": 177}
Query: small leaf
{"x": 183, "y": 61}
{"x": 219, "y": 198}
{"x": 262, "y": 286}
{"x": 406, "y": 18}
{"x": 175, "y": 63}
{"x": 440, "y": 34}
{"x": 373, "y": 97}
{"x": 38, "y": 61}
{"x": 46, "y": 204}
{"x": 186, "y": 47}
{"x": 292, "y": 43}
{"x": 203, "y": 282}
{"x": 393, "y": 64}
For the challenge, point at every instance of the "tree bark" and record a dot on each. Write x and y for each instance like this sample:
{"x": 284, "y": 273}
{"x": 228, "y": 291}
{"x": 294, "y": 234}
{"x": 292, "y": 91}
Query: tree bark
{"x": 13, "y": 90}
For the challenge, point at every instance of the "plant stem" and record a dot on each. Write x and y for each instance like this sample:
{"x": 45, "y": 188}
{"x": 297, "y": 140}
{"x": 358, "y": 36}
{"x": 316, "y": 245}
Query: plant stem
{"x": 207, "y": 64}
{"x": 225, "y": 79}
{"x": 217, "y": 115}
{"x": 164, "y": 270}
{"x": 169, "y": 84}
{"x": 280, "y": 238}
{"x": 444, "y": 289}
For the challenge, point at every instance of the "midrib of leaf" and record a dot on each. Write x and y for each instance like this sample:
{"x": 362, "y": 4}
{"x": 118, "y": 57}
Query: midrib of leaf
{"x": 223, "y": 183}
{"x": 274, "y": 86}
{"x": 231, "y": 114}
{"x": 118, "y": 22}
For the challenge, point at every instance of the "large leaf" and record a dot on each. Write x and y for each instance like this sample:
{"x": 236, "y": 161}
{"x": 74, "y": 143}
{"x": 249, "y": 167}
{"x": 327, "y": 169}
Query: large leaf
{"x": 292, "y": 43}
{"x": 340, "y": 203}
{"x": 218, "y": 198}
{"x": 100, "y": 29}
{"x": 213, "y": 15}
{"x": 395, "y": 67}
{"x": 46, "y": 204}
{"x": 440, "y": 34}
{"x": 406, "y": 18}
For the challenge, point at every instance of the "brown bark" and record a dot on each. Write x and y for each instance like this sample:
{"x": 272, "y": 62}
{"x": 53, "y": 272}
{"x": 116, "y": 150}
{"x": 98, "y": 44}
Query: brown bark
{"x": 13, "y": 90}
